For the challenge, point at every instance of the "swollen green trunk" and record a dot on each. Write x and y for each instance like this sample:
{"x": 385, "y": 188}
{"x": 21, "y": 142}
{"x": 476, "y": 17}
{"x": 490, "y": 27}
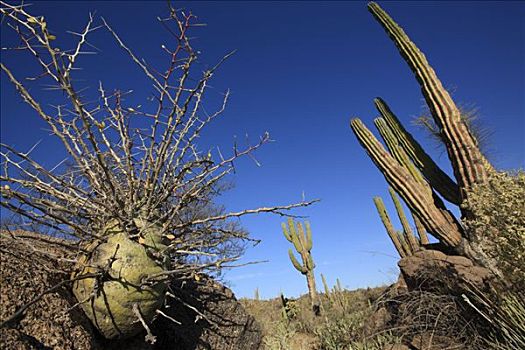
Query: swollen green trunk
{"x": 111, "y": 299}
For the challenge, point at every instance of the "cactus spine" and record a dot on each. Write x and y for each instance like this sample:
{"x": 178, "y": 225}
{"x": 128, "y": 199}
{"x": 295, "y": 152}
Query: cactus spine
{"x": 302, "y": 242}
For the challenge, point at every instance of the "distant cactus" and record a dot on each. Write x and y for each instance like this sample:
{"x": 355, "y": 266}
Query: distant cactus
{"x": 289, "y": 308}
{"x": 326, "y": 288}
{"x": 302, "y": 242}
{"x": 339, "y": 297}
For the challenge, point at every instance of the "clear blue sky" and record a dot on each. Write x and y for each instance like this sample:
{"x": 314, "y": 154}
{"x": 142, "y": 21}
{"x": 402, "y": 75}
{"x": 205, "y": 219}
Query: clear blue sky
{"x": 301, "y": 71}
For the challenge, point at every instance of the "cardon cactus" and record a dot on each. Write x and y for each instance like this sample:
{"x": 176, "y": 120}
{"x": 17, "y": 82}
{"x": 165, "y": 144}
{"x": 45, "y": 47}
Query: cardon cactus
{"x": 302, "y": 242}
{"x": 411, "y": 172}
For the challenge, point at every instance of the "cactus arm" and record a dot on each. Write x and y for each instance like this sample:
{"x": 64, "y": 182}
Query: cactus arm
{"x": 437, "y": 178}
{"x": 310, "y": 265}
{"x": 296, "y": 240}
{"x": 383, "y": 214}
{"x": 423, "y": 238}
{"x": 436, "y": 220}
{"x": 302, "y": 269}
{"x": 407, "y": 230}
{"x": 469, "y": 165}
{"x": 309, "y": 243}
{"x": 302, "y": 237}
{"x": 396, "y": 150}
{"x": 286, "y": 232}
{"x": 325, "y": 285}
{"x": 406, "y": 247}
{"x": 338, "y": 285}
{"x": 291, "y": 225}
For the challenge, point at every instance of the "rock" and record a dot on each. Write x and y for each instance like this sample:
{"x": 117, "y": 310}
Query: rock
{"x": 435, "y": 271}
{"x": 25, "y": 272}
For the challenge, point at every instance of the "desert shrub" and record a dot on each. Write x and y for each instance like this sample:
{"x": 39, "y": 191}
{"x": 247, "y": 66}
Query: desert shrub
{"x": 281, "y": 336}
{"x": 498, "y": 210}
{"x": 346, "y": 334}
{"x": 338, "y": 333}
{"x": 337, "y": 328}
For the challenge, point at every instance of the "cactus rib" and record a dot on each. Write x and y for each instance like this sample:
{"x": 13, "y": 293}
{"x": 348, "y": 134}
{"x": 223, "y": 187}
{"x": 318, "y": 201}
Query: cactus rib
{"x": 437, "y": 178}
{"x": 469, "y": 165}
{"x": 436, "y": 220}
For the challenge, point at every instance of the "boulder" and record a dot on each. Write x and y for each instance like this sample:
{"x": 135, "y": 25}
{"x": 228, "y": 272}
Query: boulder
{"x": 435, "y": 271}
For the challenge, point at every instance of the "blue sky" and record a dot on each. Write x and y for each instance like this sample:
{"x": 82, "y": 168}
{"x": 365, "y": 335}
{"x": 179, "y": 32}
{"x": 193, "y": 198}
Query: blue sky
{"x": 302, "y": 69}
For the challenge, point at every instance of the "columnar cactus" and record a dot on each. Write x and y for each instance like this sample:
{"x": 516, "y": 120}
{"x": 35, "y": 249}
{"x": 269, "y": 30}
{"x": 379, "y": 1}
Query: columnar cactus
{"x": 437, "y": 220}
{"x": 437, "y": 178}
{"x": 392, "y": 233}
{"x": 411, "y": 172}
{"x": 404, "y": 241}
{"x": 407, "y": 230}
{"x": 302, "y": 242}
{"x": 326, "y": 288}
{"x": 468, "y": 163}
{"x": 289, "y": 309}
{"x": 339, "y": 297}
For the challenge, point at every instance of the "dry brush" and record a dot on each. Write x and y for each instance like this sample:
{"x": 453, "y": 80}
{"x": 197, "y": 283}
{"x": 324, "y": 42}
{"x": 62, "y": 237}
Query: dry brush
{"x": 134, "y": 194}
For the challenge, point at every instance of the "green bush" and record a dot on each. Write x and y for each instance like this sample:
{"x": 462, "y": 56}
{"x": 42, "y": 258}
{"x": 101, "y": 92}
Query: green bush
{"x": 338, "y": 333}
{"x": 499, "y": 225}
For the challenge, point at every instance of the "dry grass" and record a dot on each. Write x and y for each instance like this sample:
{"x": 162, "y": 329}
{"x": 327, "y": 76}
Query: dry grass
{"x": 340, "y": 325}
